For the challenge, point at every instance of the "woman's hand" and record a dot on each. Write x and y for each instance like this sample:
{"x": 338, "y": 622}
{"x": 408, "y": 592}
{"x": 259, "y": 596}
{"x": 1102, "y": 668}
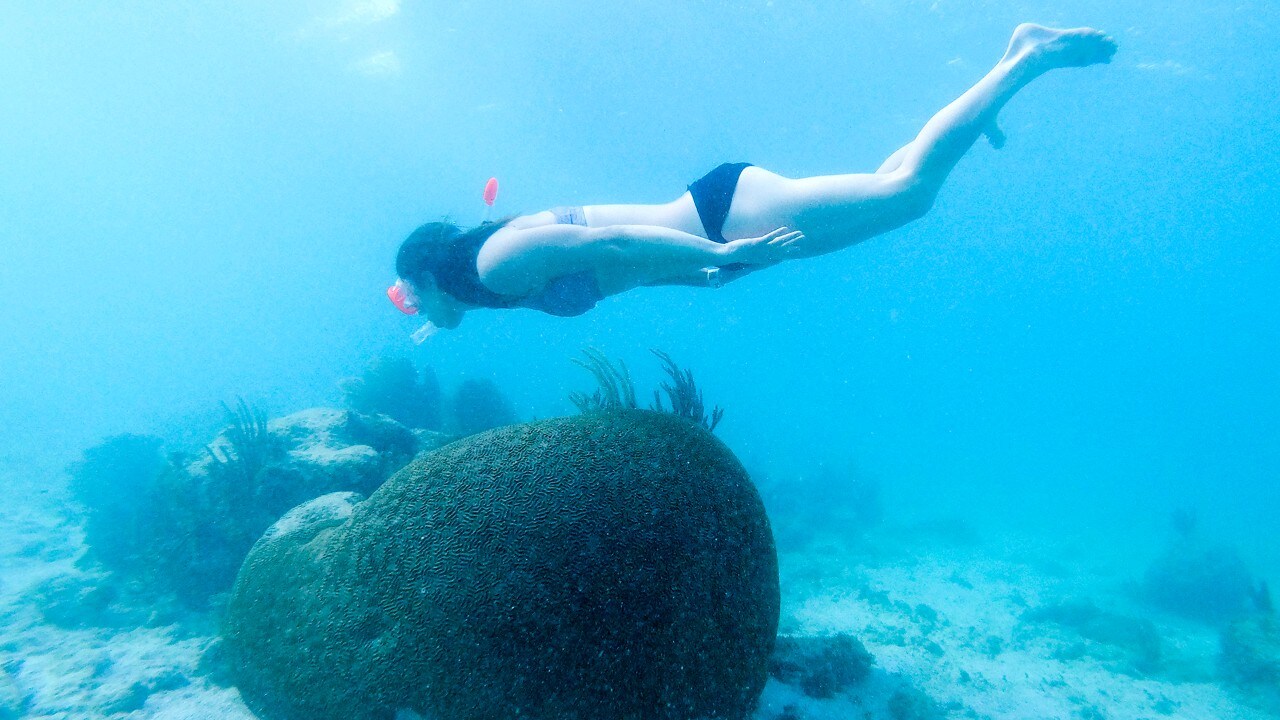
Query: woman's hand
{"x": 767, "y": 249}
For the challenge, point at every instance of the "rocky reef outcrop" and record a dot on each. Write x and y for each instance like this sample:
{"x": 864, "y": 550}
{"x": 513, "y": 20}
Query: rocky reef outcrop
{"x": 181, "y": 524}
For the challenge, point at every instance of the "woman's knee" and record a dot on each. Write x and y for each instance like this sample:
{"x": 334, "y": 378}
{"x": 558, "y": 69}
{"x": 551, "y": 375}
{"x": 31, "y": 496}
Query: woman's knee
{"x": 912, "y": 195}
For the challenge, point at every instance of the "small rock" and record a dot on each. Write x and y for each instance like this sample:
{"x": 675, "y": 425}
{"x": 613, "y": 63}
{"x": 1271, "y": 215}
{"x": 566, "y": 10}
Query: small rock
{"x": 912, "y": 704}
{"x": 213, "y": 664}
{"x": 169, "y": 680}
{"x": 78, "y": 600}
{"x": 933, "y": 648}
{"x": 131, "y": 699}
{"x": 820, "y": 666}
{"x": 135, "y": 695}
{"x": 926, "y": 614}
{"x": 993, "y": 646}
{"x": 790, "y": 712}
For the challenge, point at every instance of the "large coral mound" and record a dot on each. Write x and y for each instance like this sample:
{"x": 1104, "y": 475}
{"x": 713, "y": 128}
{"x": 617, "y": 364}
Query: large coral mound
{"x": 615, "y": 565}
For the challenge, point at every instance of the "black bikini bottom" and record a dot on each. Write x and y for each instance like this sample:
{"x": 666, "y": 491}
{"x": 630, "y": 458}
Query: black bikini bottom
{"x": 712, "y": 195}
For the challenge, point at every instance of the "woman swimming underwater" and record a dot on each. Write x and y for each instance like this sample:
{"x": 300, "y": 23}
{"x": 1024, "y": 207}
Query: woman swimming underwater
{"x": 735, "y": 220}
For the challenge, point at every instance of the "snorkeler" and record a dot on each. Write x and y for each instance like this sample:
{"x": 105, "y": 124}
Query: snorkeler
{"x": 737, "y": 219}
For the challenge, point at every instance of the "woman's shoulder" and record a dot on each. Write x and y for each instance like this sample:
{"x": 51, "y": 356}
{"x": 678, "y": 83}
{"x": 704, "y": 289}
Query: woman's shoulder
{"x": 525, "y": 222}
{"x": 499, "y": 241}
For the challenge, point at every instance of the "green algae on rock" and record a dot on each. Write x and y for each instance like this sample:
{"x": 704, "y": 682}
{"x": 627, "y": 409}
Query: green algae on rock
{"x": 612, "y": 565}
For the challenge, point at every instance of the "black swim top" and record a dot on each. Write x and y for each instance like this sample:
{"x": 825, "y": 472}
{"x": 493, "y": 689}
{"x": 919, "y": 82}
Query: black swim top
{"x": 455, "y": 272}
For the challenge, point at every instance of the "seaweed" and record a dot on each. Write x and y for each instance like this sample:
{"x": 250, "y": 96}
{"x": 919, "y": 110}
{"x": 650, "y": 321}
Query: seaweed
{"x": 249, "y": 440}
{"x": 614, "y": 389}
{"x": 684, "y": 395}
{"x": 616, "y": 392}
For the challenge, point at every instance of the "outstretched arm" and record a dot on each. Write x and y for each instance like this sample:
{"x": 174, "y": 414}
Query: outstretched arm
{"x": 518, "y": 262}
{"x": 712, "y": 277}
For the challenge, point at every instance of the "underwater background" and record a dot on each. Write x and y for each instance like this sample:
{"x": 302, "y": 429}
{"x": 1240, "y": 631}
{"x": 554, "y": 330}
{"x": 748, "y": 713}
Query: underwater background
{"x": 200, "y": 202}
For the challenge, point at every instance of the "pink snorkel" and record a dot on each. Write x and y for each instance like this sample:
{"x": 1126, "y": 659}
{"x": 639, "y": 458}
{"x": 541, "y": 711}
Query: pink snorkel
{"x": 401, "y": 294}
{"x": 490, "y": 194}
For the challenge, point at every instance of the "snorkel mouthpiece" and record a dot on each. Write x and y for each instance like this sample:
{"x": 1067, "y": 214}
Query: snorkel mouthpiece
{"x": 399, "y": 297}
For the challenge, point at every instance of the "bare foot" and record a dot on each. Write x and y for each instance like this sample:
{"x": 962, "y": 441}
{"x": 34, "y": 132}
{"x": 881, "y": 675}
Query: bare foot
{"x": 1049, "y": 48}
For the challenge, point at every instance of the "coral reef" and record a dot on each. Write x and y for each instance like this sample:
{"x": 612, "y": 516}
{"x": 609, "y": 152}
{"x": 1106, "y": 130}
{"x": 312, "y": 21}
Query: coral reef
{"x": 820, "y": 666}
{"x": 183, "y": 525}
{"x": 393, "y": 387}
{"x": 478, "y": 405}
{"x": 112, "y": 481}
{"x": 1200, "y": 581}
{"x": 1250, "y": 659}
{"x": 610, "y": 565}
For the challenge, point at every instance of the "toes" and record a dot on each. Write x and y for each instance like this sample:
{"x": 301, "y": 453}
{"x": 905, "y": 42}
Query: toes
{"x": 1087, "y": 47}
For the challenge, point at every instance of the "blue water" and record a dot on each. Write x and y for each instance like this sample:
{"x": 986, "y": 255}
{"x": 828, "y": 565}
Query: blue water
{"x": 199, "y": 203}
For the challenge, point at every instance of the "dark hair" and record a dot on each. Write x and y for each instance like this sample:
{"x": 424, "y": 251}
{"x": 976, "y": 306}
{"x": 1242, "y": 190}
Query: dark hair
{"x": 431, "y": 246}
{"x": 425, "y": 248}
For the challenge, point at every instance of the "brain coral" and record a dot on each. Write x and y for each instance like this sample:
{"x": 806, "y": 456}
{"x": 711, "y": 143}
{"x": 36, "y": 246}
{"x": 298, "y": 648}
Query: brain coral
{"x": 605, "y": 566}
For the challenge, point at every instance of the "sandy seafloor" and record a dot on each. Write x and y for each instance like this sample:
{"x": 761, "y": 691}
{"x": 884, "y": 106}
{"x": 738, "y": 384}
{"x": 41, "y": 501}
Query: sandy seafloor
{"x": 939, "y": 609}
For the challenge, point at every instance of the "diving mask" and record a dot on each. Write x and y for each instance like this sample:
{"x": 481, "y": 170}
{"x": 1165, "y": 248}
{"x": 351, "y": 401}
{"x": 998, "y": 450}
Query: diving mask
{"x": 406, "y": 301}
{"x": 403, "y": 297}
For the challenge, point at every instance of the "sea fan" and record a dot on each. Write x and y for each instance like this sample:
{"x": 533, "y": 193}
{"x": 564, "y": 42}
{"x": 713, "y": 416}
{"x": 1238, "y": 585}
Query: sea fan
{"x": 684, "y": 395}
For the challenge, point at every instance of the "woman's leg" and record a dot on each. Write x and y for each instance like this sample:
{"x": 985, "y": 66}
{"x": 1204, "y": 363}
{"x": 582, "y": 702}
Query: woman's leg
{"x": 1032, "y": 51}
{"x": 836, "y": 211}
{"x": 994, "y": 134}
